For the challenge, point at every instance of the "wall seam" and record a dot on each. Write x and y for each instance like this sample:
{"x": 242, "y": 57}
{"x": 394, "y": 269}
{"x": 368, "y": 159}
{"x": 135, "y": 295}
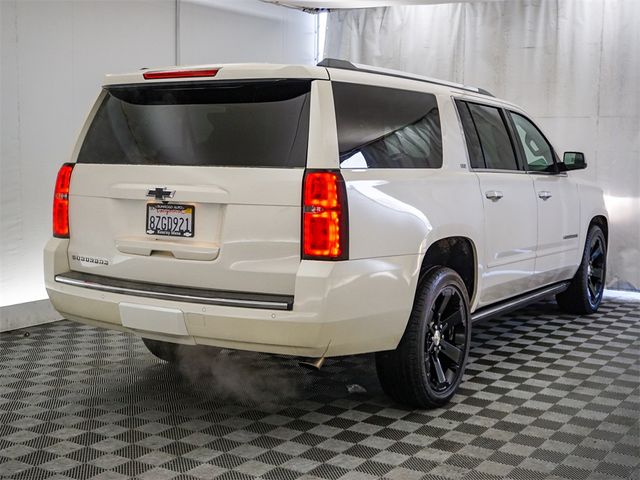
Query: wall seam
{"x": 599, "y": 85}
{"x": 316, "y": 55}
{"x": 464, "y": 44}
{"x": 177, "y": 33}
{"x": 19, "y": 132}
{"x": 73, "y": 60}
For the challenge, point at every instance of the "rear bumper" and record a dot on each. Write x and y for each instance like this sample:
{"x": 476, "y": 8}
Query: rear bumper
{"x": 339, "y": 308}
{"x": 177, "y": 294}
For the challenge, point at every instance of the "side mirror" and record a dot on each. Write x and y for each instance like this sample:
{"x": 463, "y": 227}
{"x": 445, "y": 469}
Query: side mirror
{"x": 574, "y": 161}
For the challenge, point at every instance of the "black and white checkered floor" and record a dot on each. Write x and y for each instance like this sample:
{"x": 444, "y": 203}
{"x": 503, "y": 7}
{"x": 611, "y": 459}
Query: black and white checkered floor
{"x": 546, "y": 395}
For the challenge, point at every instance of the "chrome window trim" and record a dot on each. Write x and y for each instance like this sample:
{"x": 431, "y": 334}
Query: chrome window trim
{"x": 558, "y": 174}
{"x": 498, "y": 170}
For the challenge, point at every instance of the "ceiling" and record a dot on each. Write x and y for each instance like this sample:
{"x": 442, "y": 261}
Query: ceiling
{"x": 316, "y": 5}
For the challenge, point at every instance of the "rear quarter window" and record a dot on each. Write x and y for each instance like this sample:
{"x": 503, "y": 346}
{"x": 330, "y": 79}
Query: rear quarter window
{"x": 381, "y": 127}
{"x": 239, "y": 124}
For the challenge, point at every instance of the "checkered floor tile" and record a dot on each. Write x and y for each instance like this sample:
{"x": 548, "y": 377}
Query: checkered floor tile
{"x": 546, "y": 396}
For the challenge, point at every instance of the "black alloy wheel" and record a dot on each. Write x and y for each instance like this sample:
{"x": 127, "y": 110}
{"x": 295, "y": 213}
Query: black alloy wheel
{"x": 445, "y": 341}
{"x": 586, "y": 289}
{"x": 595, "y": 270}
{"x": 427, "y": 366}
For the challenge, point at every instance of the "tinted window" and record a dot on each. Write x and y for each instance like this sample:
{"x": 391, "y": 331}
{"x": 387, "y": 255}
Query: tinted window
{"x": 256, "y": 124}
{"x": 471, "y": 136}
{"x": 537, "y": 151}
{"x": 494, "y": 139}
{"x": 386, "y": 128}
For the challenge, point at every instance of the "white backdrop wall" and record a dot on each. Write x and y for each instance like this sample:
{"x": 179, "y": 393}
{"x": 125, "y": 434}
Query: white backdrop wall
{"x": 53, "y": 57}
{"x": 573, "y": 64}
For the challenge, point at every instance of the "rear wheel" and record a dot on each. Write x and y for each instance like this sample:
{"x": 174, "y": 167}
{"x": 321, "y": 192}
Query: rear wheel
{"x": 584, "y": 294}
{"x": 426, "y": 368}
{"x": 163, "y": 350}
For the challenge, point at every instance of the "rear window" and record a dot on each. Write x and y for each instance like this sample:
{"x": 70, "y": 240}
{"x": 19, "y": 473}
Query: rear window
{"x": 497, "y": 149}
{"x": 248, "y": 124}
{"x": 381, "y": 127}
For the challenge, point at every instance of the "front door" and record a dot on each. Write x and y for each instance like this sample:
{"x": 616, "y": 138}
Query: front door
{"x": 558, "y": 251}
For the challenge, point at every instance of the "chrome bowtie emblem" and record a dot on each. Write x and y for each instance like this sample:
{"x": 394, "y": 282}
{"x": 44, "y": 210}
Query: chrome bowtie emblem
{"x": 161, "y": 193}
{"x": 437, "y": 336}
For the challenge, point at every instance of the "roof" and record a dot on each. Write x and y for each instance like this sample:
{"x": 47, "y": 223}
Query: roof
{"x": 225, "y": 71}
{"x": 324, "y": 70}
{"x": 346, "y": 65}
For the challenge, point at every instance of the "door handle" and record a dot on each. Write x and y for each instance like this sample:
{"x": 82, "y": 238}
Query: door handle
{"x": 544, "y": 195}
{"x": 493, "y": 195}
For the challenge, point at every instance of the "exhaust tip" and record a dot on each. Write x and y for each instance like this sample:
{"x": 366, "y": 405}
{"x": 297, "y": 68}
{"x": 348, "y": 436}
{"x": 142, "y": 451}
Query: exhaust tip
{"x": 312, "y": 363}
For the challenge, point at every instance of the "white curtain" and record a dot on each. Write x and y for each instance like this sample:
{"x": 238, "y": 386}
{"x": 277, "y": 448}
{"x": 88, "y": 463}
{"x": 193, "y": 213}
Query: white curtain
{"x": 573, "y": 64}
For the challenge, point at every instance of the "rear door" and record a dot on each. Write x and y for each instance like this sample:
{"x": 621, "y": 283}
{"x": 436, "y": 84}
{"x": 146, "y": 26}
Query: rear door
{"x": 193, "y": 184}
{"x": 509, "y": 203}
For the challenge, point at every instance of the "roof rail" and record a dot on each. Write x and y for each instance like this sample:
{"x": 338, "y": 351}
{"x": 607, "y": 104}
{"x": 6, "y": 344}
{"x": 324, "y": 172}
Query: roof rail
{"x": 347, "y": 65}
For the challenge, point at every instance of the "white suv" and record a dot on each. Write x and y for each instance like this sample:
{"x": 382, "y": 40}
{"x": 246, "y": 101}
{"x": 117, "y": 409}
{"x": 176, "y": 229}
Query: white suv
{"x": 317, "y": 212}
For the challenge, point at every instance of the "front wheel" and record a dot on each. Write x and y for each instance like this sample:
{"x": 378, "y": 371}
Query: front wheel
{"x": 426, "y": 368}
{"x": 584, "y": 294}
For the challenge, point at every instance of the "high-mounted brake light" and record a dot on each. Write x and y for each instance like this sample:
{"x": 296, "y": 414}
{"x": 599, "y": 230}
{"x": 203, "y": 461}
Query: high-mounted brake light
{"x": 61, "y": 202}
{"x": 324, "y": 216}
{"x": 209, "y": 72}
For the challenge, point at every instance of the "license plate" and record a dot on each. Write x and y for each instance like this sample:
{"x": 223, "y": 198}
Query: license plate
{"x": 170, "y": 219}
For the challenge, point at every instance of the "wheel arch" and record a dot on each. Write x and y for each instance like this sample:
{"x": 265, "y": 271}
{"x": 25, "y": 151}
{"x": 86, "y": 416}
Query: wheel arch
{"x": 458, "y": 253}
{"x": 603, "y": 223}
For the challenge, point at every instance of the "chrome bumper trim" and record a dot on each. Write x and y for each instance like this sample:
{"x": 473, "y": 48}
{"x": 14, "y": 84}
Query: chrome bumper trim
{"x": 179, "y": 294}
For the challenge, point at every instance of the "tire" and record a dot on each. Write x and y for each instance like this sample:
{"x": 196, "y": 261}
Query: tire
{"x": 163, "y": 350}
{"x": 584, "y": 294}
{"x": 426, "y": 368}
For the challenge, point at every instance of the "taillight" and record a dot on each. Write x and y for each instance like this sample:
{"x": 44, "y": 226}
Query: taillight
{"x": 324, "y": 216}
{"x": 61, "y": 202}
{"x": 209, "y": 72}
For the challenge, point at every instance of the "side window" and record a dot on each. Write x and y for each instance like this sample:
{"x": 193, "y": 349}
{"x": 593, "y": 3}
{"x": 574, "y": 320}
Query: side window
{"x": 382, "y": 127}
{"x": 494, "y": 138}
{"x": 471, "y": 136}
{"x": 537, "y": 150}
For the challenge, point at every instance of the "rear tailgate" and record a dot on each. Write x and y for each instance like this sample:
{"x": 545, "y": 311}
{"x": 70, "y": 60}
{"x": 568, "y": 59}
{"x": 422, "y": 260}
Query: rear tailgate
{"x": 193, "y": 184}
